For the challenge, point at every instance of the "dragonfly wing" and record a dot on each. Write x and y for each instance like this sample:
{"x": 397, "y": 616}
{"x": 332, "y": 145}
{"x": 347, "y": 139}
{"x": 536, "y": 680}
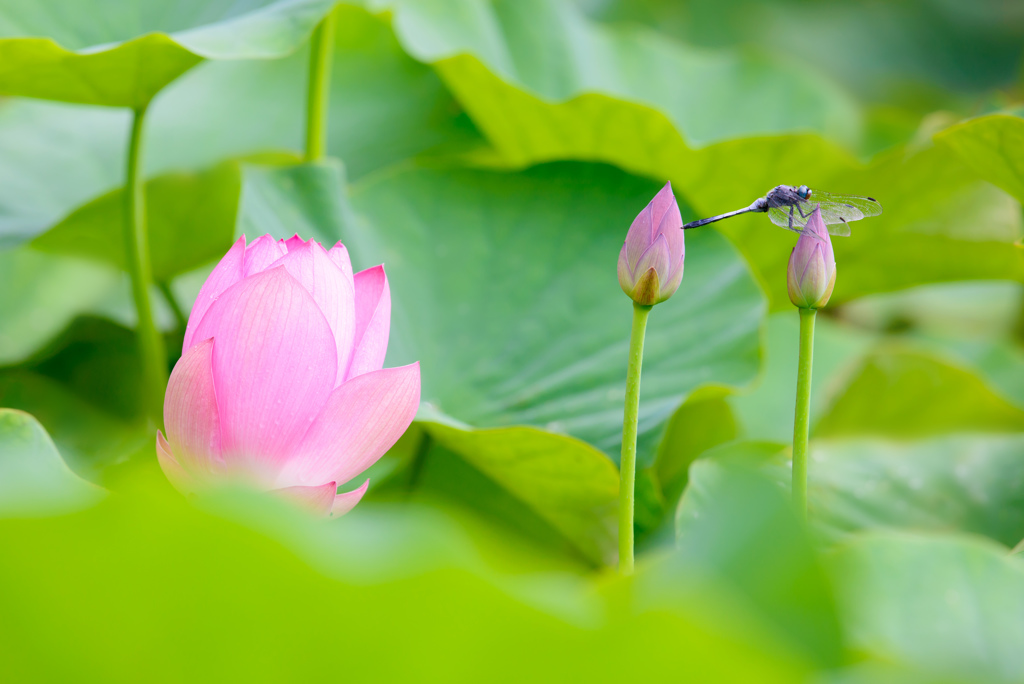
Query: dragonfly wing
{"x": 837, "y": 209}
{"x": 791, "y": 218}
{"x": 794, "y": 217}
{"x": 840, "y": 213}
{"x": 840, "y": 229}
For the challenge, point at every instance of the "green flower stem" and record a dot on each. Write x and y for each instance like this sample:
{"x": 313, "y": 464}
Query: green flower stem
{"x": 172, "y": 301}
{"x": 318, "y": 93}
{"x": 136, "y": 245}
{"x": 627, "y": 466}
{"x": 801, "y": 423}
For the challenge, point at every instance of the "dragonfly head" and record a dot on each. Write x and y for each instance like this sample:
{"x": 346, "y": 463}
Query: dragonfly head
{"x": 804, "y": 192}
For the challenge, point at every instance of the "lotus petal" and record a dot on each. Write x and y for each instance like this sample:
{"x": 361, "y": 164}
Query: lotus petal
{"x": 263, "y": 252}
{"x": 309, "y": 264}
{"x": 177, "y": 476}
{"x": 345, "y": 502}
{"x": 274, "y": 366}
{"x": 190, "y": 411}
{"x": 372, "y": 321}
{"x": 225, "y": 274}
{"x": 362, "y": 419}
{"x": 318, "y": 499}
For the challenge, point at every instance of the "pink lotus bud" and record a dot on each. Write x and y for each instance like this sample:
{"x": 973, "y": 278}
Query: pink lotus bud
{"x": 812, "y": 266}
{"x": 651, "y": 260}
{"x": 280, "y": 382}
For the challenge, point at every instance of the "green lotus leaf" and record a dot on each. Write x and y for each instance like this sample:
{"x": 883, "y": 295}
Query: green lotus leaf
{"x": 724, "y": 127}
{"x": 993, "y": 147}
{"x": 34, "y": 480}
{"x": 968, "y": 483}
{"x": 904, "y": 393}
{"x": 503, "y": 288}
{"x": 105, "y": 52}
{"x": 81, "y": 578}
{"x": 946, "y": 606}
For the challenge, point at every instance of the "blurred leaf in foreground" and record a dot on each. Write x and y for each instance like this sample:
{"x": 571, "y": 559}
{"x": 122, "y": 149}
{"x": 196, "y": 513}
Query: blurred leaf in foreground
{"x": 748, "y": 536}
{"x": 34, "y": 480}
{"x": 957, "y": 621}
{"x": 949, "y": 606}
{"x": 216, "y": 596}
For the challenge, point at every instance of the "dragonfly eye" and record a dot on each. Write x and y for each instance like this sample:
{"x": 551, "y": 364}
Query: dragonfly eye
{"x": 803, "y": 191}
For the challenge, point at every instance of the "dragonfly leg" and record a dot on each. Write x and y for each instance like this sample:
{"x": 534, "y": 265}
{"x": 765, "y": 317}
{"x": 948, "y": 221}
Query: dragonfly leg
{"x": 805, "y": 230}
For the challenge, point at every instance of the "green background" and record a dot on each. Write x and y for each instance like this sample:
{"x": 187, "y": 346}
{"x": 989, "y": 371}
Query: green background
{"x": 492, "y": 154}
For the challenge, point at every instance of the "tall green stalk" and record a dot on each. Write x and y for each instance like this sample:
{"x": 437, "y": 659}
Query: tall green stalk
{"x": 179, "y": 316}
{"x": 318, "y": 92}
{"x": 801, "y": 423}
{"x": 627, "y": 465}
{"x": 136, "y": 246}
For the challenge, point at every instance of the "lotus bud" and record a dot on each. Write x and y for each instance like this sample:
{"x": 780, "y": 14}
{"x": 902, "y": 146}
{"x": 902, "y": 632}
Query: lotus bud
{"x": 281, "y": 382}
{"x": 651, "y": 260}
{"x": 812, "y": 266}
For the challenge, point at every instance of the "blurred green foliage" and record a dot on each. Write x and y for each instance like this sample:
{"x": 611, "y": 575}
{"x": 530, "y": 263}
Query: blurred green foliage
{"x": 492, "y": 154}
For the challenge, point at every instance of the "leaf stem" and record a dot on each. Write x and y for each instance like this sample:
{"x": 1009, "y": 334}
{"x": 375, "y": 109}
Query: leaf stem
{"x": 627, "y": 465}
{"x": 319, "y": 88}
{"x": 801, "y": 422}
{"x": 136, "y": 245}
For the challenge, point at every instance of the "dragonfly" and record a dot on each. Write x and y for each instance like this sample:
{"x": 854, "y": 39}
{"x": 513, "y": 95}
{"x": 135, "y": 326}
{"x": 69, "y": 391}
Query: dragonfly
{"x": 790, "y": 206}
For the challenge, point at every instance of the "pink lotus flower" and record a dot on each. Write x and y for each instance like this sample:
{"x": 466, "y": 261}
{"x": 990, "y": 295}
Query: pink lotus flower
{"x": 651, "y": 260}
{"x": 812, "y": 266}
{"x": 280, "y": 381}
